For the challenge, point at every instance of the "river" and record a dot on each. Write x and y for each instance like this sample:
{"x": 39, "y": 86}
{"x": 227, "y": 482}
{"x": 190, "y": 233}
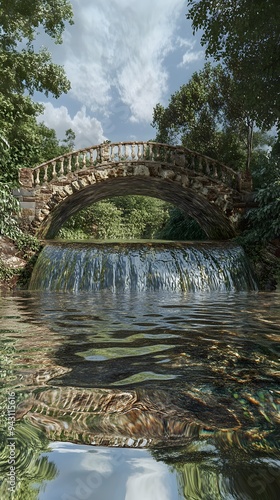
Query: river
{"x": 130, "y": 392}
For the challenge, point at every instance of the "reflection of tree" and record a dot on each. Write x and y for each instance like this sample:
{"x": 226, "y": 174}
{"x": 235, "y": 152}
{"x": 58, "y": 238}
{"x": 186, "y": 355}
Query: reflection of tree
{"x": 213, "y": 474}
{"x": 32, "y": 470}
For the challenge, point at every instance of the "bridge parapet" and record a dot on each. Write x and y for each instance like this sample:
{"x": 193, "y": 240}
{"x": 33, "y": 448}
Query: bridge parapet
{"x": 93, "y": 157}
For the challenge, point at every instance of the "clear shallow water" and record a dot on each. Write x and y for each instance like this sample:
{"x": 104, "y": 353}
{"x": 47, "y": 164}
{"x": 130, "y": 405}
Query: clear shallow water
{"x": 141, "y": 395}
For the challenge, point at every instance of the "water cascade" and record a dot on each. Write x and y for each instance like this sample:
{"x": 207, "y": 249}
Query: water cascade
{"x": 142, "y": 266}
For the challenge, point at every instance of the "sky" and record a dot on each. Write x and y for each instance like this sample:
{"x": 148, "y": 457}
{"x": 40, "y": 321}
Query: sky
{"x": 122, "y": 57}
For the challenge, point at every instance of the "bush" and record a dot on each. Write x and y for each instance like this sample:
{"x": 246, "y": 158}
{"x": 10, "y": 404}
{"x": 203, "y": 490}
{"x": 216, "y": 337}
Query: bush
{"x": 264, "y": 221}
{"x": 9, "y": 208}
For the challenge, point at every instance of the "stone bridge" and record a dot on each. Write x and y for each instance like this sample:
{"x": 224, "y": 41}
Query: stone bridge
{"x": 201, "y": 187}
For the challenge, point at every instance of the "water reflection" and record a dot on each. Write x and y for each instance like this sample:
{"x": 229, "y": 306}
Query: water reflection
{"x": 187, "y": 385}
{"x": 109, "y": 473}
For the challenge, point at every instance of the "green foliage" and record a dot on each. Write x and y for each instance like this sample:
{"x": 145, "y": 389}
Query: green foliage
{"x": 127, "y": 217}
{"x": 264, "y": 221}
{"x": 24, "y": 71}
{"x": 132, "y": 217}
{"x": 245, "y": 35}
{"x": 31, "y": 144}
{"x": 9, "y": 208}
{"x": 207, "y": 115}
{"x": 6, "y": 274}
{"x": 180, "y": 227}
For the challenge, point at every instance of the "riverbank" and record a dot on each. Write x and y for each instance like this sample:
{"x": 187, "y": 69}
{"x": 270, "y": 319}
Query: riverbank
{"x": 16, "y": 265}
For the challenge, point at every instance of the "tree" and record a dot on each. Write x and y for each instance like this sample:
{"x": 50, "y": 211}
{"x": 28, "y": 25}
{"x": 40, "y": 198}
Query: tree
{"x": 30, "y": 143}
{"x": 207, "y": 115}
{"x": 25, "y": 70}
{"x": 245, "y": 36}
{"x": 22, "y": 68}
{"x": 123, "y": 217}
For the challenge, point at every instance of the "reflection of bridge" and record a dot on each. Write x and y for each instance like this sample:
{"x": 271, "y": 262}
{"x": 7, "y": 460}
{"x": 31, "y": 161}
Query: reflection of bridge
{"x": 130, "y": 418}
{"x": 201, "y": 187}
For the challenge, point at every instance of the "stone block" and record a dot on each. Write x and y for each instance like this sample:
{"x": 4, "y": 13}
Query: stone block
{"x": 27, "y": 212}
{"x": 185, "y": 181}
{"x": 27, "y": 205}
{"x": 28, "y": 199}
{"x": 60, "y": 191}
{"x": 141, "y": 170}
{"x": 83, "y": 182}
{"x": 68, "y": 190}
{"x": 167, "y": 174}
{"x": 154, "y": 170}
{"x": 26, "y": 177}
{"x": 75, "y": 186}
{"x": 101, "y": 175}
{"x": 23, "y": 192}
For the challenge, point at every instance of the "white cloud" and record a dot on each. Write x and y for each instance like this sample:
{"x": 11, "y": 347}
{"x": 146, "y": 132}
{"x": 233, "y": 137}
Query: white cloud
{"x": 88, "y": 130}
{"x": 190, "y": 55}
{"x": 118, "y": 57}
{"x": 117, "y": 48}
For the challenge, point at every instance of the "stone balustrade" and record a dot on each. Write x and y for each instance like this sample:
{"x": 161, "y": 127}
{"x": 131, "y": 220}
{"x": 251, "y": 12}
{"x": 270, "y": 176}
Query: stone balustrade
{"x": 177, "y": 157}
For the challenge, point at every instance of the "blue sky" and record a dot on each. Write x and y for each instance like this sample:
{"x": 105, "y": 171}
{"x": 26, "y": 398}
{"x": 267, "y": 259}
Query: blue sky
{"x": 122, "y": 57}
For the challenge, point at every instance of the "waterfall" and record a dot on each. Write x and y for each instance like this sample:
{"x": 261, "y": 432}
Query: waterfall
{"x": 142, "y": 266}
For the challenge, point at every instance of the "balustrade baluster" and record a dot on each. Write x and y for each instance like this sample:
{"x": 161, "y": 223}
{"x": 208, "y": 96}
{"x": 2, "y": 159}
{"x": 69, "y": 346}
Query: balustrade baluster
{"x": 54, "y": 173}
{"x": 207, "y": 169}
{"x": 140, "y": 152}
{"x": 37, "y": 178}
{"x": 120, "y": 152}
{"x": 200, "y": 168}
{"x": 69, "y": 166}
{"x": 77, "y": 164}
{"x": 146, "y": 150}
{"x": 133, "y": 152}
{"x": 91, "y": 160}
{"x": 46, "y": 173}
{"x": 61, "y": 170}
{"x": 84, "y": 162}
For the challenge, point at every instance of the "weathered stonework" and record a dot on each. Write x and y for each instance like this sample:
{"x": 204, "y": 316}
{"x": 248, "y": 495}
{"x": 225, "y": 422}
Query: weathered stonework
{"x": 201, "y": 190}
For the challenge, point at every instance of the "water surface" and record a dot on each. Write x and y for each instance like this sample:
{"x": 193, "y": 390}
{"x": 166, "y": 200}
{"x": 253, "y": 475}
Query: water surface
{"x": 141, "y": 395}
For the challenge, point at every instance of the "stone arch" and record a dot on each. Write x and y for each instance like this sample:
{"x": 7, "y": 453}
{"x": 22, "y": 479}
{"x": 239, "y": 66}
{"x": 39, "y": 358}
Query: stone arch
{"x": 89, "y": 188}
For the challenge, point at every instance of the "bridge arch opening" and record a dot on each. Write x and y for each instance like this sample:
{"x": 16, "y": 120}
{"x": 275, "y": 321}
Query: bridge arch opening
{"x": 207, "y": 215}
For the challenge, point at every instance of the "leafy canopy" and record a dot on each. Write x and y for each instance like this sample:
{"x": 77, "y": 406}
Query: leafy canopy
{"x": 25, "y": 70}
{"x": 207, "y": 115}
{"x": 245, "y": 36}
{"x": 22, "y": 67}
